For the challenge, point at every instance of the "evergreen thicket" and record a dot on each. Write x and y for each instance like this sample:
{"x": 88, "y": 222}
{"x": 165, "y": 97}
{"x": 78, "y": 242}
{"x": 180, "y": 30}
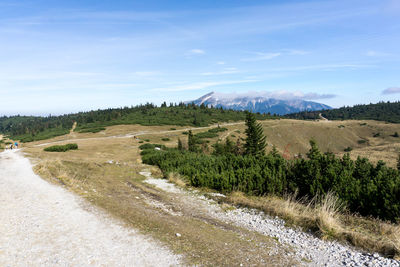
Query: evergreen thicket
{"x": 366, "y": 189}
{"x": 61, "y": 148}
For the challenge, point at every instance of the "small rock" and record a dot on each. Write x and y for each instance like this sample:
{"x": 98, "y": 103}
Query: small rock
{"x": 178, "y": 234}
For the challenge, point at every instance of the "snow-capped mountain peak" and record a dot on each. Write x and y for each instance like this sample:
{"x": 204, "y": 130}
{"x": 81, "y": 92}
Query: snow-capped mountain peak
{"x": 258, "y": 102}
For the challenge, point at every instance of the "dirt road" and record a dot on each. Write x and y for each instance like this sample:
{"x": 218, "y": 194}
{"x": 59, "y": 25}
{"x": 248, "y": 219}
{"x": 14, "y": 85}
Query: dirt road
{"x": 45, "y": 225}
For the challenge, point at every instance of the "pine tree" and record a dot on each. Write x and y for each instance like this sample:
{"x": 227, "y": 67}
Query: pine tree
{"x": 191, "y": 142}
{"x": 180, "y": 145}
{"x": 255, "y": 141}
{"x": 398, "y": 162}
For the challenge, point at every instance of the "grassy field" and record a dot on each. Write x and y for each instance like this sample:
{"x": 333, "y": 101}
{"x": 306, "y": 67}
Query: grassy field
{"x": 105, "y": 171}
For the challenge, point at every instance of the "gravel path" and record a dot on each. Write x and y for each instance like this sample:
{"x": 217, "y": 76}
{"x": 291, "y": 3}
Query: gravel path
{"x": 306, "y": 246}
{"x": 45, "y": 225}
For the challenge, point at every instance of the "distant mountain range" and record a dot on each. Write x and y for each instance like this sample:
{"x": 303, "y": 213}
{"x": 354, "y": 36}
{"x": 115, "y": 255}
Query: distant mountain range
{"x": 262, "y": 104}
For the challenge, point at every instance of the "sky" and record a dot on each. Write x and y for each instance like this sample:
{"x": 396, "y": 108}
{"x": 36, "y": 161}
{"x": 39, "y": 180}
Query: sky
{"x": 60, "y": 57}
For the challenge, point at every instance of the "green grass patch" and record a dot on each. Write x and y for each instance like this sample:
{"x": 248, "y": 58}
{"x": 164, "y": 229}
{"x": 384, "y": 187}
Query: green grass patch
{"x": 61, "y": 148}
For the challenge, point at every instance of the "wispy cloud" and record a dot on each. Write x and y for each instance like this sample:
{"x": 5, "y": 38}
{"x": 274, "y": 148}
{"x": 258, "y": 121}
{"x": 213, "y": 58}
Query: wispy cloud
{"x": 223, "y": 72}
{"x": 199, "y": 85}
{"x": 281, "y": 94}
{"x": 197, "y": 52}
{"x": 146, "y": 73}
{"x": 297, "y": 52}
{"x": 391, "y": 90}
{"x": 373, "y": 53}
{"x": 221, "y": 63}
{"x": 324, "y": 67}
{"x": 259, "y": 56}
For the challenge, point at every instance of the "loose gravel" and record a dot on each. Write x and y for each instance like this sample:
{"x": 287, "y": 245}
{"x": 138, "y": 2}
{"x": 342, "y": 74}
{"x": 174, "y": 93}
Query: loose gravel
{"x": 308, "y": 249}
{"x": 45, "y": 225}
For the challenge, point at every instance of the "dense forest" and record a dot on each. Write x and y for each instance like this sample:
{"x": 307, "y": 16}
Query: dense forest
{"x": 382, "y": 111}
{"x": 370, "y": 190}
{"x": 28, "y": 128}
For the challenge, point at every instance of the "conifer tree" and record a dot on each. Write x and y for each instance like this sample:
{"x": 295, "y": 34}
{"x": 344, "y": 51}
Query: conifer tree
{"x": 180, "y": 145}
{"x": 191, "y": 142}
{"x": 255, "y": 141}
{"x": 398, "y": 162}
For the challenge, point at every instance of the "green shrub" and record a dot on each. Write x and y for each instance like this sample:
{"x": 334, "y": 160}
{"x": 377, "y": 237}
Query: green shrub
{"x": 172, "y": 129}
{"x": 140, "y": 142}
{"x": 348, "y": 149}
{"x": 165, "y": 139}
{"x": 377, "y": 135}
{"x": 92, "y": 130}
{"x": 362, "y": 141}
{"x": 147, "y": 140}
{"x": 61, "y": 148}
{"x": 151, "y": 146}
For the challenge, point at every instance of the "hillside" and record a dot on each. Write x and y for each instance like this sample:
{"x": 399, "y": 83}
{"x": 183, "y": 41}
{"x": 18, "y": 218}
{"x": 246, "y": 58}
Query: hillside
{"x": 382, "y": 111}
{"x": 29, "y": 128}
{"x": 257, "y": 103}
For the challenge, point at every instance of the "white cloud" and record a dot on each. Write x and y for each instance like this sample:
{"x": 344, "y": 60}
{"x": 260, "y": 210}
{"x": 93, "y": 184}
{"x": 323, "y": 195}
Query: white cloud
{"x": 373, "y": 53}
{"x": 391, "y": 90}
{"x": 223, "y": 72}
{"x": 282, "y": 95}
{"x": 199, "y": 85}
{"x": 259, "y": 56}
{"x": 145, "y": 73}
{"x": 197, "y": 52}
{"x": 324, "y": 67}
{"x": 297, "y": 52}
{"x": 221, "y": 63}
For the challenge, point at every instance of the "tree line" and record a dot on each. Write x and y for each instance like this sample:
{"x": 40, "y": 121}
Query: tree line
{"x": 30, "y": 128}
{"x": 382, "y": 111}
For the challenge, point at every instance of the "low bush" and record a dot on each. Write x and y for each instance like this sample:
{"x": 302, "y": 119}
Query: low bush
{"x": 165, "y": 139}
{"x": 61, "y": 148}
{"x": 92, "y": 130}
{"x": 152, "y": 146}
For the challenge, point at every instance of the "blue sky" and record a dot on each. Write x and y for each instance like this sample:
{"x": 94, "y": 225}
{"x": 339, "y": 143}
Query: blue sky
{"x": 67, "y": 56}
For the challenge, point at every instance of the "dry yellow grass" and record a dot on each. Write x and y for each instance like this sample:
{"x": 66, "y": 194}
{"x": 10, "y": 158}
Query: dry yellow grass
{"x": 324, "y": 217}
{"x": 176, "y": 179}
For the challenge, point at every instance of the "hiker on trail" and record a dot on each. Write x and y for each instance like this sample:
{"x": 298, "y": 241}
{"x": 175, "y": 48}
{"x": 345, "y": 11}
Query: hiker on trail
{"x": 11, "y": 146}
{"x": 16, "y": 145}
